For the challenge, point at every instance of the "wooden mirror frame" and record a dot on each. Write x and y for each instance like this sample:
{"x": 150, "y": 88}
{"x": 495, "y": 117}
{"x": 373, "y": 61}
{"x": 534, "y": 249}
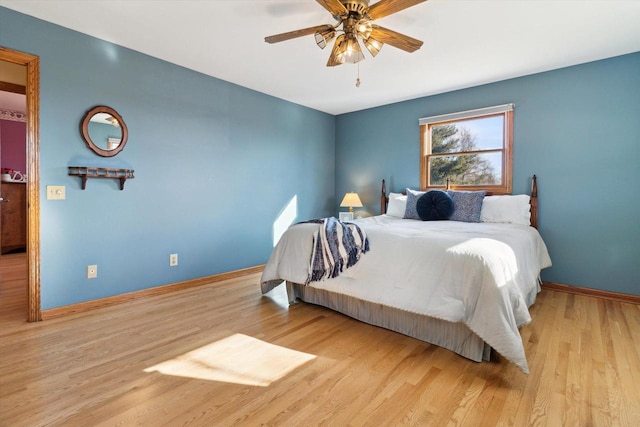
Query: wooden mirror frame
{"x": 84, "y": 130}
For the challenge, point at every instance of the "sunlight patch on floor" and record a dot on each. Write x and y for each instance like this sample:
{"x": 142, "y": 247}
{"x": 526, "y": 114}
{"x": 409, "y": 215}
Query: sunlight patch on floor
{"x": 237, "y": 359}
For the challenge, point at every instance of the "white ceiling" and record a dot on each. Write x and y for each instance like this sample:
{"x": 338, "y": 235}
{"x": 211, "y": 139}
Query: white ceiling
{"x": 466, "y": 42}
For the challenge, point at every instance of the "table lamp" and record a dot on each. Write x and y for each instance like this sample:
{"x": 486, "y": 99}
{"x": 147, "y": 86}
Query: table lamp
{"x": 351, "y": 200}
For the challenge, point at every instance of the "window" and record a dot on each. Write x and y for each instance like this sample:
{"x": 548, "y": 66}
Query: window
{"x": 472, "y": 149}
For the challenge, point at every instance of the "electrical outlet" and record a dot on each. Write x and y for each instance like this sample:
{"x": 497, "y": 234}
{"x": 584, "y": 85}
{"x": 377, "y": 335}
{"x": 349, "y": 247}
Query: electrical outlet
{"x": 92, "y": 271}
{"x": 173, "y": 260}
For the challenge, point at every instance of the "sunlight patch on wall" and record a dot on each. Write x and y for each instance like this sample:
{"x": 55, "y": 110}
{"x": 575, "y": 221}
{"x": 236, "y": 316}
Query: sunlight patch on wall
{"x": 237, "y": 359}
{"x": 285, "y": 219}
{"x": 111, "y": 52}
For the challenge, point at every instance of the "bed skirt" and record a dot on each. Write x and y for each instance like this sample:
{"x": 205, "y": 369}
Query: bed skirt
{"x": 456, "y": 337}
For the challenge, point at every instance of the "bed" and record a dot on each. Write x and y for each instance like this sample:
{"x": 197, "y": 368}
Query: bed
{"x": 463, "y": 286}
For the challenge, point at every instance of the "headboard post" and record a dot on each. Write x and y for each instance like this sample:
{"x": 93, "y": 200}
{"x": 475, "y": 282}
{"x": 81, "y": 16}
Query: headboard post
{"x": 383, "y": 199}
{"x": 534, "y": 202}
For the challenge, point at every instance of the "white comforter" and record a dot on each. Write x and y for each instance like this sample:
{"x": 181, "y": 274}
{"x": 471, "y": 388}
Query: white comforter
{"x": 482, "y": 274}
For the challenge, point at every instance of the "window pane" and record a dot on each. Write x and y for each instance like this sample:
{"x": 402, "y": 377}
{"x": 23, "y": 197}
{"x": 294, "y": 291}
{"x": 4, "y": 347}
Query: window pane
{"x": 484, "y": 133}
{"x": 468, "y": 150}
{"x": 466, "y": 169}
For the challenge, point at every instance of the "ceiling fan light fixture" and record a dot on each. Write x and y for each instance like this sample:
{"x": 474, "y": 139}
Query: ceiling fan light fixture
{"x": 349, "y": 51}
{"x": 334, "y": 59}
{"x": 355, "y": 24}
{"x": 364, "y": 28}
{"x": 323, "y": 38}
{"x": 373, "y": 46}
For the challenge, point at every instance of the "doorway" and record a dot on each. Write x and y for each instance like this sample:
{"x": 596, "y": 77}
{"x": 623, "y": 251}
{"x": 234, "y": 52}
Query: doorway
{"x": 31, "y": 66}
{"x": 13, "y": 158}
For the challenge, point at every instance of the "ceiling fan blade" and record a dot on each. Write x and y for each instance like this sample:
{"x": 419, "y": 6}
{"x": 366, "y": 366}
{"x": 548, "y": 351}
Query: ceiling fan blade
{"x": 401, "y": 41}
{"x": 297, "y": 33}
{"x": 387, "y": 7}
{"x": 334, "y": 7}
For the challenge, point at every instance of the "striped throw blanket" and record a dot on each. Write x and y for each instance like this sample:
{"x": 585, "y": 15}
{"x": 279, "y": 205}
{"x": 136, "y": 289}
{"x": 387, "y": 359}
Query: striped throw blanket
{"x": 336, "y": 247}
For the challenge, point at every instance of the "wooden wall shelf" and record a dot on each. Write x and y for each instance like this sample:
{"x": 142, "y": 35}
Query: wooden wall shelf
{"x": 86, "y": 172}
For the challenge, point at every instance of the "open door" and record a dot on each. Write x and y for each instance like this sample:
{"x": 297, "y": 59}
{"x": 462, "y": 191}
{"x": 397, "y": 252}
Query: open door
{"x": 13, "y": 160}
{"x": 32, "y": 184}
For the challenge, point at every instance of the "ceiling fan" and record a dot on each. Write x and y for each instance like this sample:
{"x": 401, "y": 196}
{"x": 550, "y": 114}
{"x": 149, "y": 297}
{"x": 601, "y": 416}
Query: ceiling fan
{"x": 355, "y": 17}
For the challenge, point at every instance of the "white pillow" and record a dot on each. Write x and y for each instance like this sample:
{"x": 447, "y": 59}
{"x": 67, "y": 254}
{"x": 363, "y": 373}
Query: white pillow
{"x": 510, "y": 209}
{"x": 397, "y": 205}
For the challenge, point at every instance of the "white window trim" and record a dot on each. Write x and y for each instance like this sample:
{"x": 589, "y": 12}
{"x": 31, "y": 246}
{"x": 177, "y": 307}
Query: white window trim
{"x": 464, "y": 114}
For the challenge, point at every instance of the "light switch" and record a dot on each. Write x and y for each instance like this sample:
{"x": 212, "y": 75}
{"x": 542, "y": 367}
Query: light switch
{"x": 55, "y": 192}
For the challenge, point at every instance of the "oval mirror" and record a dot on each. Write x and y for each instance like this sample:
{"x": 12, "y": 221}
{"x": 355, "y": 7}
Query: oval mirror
{"x": 104, "y": 131}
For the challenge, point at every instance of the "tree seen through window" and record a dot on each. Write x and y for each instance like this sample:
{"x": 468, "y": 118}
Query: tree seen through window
{"x": 471, "y": 149}
{"x": 461, "y": 169}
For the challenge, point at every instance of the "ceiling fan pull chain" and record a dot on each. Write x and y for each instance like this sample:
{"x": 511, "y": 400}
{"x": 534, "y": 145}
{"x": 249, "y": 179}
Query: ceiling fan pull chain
{"x": 358, "y": 79}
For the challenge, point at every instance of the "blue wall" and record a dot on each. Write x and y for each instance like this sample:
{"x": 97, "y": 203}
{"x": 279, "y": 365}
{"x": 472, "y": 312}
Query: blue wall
{"x": 577, "y": 128}
{"x": 215, "y": 164}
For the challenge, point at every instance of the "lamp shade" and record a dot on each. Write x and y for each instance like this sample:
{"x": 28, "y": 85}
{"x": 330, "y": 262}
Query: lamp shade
{"x": 337, "y": 47}
{"x": 350, "y": 51}
{"x": 373, "y": 46}
{"x": 351, "y": 200}
{"x": 324, "y": 37}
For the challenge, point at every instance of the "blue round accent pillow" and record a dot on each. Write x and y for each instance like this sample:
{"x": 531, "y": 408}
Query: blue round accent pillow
{"x": 434, "y": 205}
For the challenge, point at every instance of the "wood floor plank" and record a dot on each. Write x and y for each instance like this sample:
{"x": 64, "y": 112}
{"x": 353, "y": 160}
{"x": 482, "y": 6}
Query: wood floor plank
{"x": 201, "y": 357}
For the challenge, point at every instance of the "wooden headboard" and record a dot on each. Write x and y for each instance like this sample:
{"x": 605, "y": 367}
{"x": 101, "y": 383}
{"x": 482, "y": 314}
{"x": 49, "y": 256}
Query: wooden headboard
{"x": 533, "y": 201}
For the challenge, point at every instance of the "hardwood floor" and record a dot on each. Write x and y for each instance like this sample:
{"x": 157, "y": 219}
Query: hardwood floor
{"x": 224, "y": 354}
{"x": 13, "y": 289}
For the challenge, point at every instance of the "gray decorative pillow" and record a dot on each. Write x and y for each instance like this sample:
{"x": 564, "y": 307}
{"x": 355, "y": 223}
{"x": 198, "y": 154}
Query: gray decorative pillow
{"x": 467, "y": 205}
{"x": 411, "y": 211}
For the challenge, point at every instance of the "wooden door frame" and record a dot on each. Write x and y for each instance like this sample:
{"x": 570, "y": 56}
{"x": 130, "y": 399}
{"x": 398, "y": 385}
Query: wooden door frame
{"x": 32, "y": 62}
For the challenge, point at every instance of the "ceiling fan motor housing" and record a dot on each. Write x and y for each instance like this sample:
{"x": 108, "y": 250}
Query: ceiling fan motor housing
{"x": 355, "y": 7}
